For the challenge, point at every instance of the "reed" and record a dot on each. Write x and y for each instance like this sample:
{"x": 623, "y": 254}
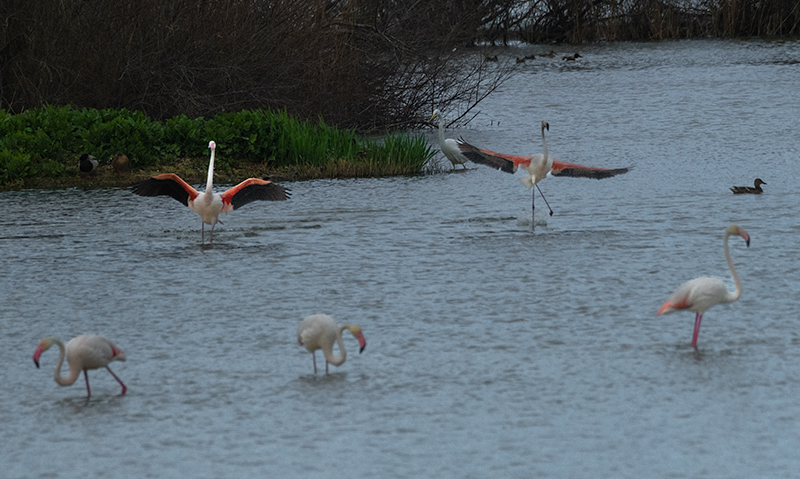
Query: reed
{"x": 41, "y": 146}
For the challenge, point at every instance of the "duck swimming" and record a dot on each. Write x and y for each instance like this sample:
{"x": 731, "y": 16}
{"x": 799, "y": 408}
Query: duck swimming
{"x": 749, "y": 189}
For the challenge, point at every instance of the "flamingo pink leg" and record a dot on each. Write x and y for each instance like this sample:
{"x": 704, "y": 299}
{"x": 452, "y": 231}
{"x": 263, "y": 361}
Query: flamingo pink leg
{"x": 314, "y": 358}
{"x": 124, "y": 389}
{"x": 697, "y": 320}
{"x": 88, "y": 391}
{"x": 545, "y": 200}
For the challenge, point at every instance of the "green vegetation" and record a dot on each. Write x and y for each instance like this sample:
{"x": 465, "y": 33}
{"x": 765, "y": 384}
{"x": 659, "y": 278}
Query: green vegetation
{"x": 40, "y": 147}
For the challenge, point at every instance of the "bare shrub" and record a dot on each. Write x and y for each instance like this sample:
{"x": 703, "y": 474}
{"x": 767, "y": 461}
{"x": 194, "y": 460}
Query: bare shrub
{"x": 367, "y": 64}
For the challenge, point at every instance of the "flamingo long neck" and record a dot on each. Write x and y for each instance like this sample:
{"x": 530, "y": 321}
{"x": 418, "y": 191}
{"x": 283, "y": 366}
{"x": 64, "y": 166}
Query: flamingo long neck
{"x": 544, "y": 145}
{"x": 210, "y": 182}
{"x": 328, "y": 352}
{"x": 73, "y": 373}
{"x": 738, "y": 292}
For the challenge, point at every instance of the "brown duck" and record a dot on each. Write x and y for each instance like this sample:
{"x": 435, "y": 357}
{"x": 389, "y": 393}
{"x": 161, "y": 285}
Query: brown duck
{"x": 749, "y": 189}
{"x": 120, "y": 163}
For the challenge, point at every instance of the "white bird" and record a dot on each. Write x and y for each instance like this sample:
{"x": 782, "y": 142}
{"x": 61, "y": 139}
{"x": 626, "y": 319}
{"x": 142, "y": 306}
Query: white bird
{"x": 88, "y": 351}
{"x": 319, "y": 331}
{"x": 448, "y": 146}
{"x": 699, "y": 294}
{"x": 538, "y": 165}
{"x": 209, "y": 205}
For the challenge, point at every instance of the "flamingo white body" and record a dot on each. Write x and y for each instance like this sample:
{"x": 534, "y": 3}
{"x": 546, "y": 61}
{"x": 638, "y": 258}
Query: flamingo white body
{"x": 700, "y": 294}
{"x": 448, "y": 146}
{"x": 210, "y": 205}
{"x": 88, "y": 351}
{"x": 537, "y": 166}
{"x": 319, "y": 331}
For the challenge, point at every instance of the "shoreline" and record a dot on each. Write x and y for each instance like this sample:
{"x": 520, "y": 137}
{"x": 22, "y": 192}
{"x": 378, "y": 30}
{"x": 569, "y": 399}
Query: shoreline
{"x": 106, "y": 177}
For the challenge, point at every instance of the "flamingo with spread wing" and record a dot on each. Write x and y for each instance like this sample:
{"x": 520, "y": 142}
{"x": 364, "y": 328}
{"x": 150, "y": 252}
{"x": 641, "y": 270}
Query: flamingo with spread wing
{"x": 209, "y": 205}
{"x": 538, "y": 165}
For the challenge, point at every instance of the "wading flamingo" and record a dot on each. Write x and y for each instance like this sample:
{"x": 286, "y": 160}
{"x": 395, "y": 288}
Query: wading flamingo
{"x": 448, "y": 146}
{"x": 85, "y": 352}
{"x": 319, "y": 331}
{"x": 699, "y": 294}
{"x": 209, "y": 205}
{"x": 749, "y": 189}
{"x": 538, "y": 165}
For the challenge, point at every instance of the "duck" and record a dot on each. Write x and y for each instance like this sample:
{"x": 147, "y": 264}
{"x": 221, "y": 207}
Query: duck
{"x": 756, "y": 190}
{"x": 120, "y": 163}
{"x": 87, "y": 164}
{"x": 572, "y": 58}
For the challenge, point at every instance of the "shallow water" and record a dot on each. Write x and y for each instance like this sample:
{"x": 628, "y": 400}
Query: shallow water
{"x": 494, "y": 348}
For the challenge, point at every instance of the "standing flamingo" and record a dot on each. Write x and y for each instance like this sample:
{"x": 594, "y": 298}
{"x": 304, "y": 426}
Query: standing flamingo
{"x": 85, "y": 352}
{"x": 209, "y": 205}
{"x": 319, "y": 331}
{"x": 448, "y": 146}
{"x": 538, "y": 165}
{"x": 699, "y": 294}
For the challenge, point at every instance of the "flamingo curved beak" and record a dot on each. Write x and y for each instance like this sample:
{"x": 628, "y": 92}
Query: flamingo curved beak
{"x": 36, "y": 355}
{"x": 362, "y": 342}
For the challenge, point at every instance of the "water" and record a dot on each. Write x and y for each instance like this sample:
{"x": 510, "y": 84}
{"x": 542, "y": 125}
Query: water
{"x": 494, "y": 348}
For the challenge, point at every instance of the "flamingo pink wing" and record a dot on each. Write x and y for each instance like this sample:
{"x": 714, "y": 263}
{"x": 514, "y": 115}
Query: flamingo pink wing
{"x": 500, "y": 161}
{"x": 562, "y": 168}
{"x": 252, "y": 189}
{"x": 166, "y": 184}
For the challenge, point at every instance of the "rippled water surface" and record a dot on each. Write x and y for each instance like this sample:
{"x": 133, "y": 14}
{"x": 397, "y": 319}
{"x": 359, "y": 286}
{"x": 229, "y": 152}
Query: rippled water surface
{"x": 495, "y": 349}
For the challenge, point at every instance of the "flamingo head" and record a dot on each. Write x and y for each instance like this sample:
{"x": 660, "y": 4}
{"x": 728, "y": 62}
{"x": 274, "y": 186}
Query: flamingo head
{"x": 736, "y": 230}
{"x": 44, "y": 345}
{"x": 212, "y": 145}
{"x": 545, "y": 126}
{"x": 356, "y": 332}
{"x": 436, "y": 113}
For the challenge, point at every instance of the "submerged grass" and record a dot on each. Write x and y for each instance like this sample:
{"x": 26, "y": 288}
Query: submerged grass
{"x": 40, "y": 148}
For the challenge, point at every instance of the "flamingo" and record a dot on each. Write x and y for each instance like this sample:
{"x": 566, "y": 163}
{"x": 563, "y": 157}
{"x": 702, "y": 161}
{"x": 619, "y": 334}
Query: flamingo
{"x": 85, "y": 352}
{"x": 209, "y": 205}
{"x": 448, "y": 146}
{"x": 319, "y": 331}
{"x": 749, "y": 189}
{"x": 538, "y": 165}
{"x": 699, "y": 294}
{"x": 87, "y": 164}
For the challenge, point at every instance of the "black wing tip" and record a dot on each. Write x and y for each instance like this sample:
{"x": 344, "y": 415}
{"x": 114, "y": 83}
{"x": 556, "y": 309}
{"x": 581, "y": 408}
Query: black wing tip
{"x": 474, "y": 155}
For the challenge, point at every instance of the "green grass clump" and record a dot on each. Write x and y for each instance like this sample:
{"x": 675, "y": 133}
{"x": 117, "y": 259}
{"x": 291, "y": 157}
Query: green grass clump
{"x": 46, "y": 143}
